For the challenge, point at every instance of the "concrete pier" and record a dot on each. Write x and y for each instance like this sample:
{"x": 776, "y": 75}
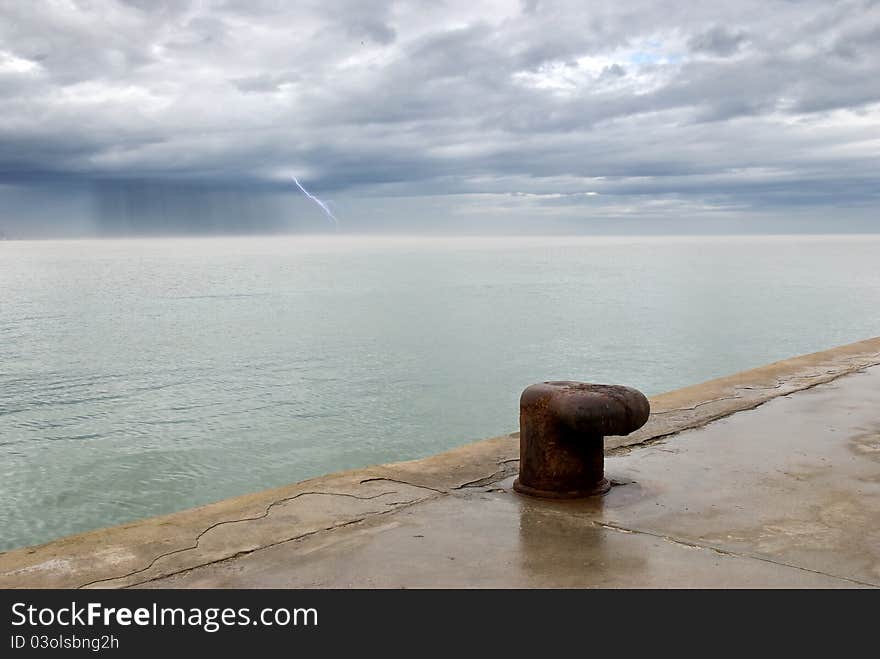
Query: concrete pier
{"x": 767, "y": 478}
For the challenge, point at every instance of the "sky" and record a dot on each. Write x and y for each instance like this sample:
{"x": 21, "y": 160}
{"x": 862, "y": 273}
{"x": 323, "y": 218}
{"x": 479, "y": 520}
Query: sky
{"x": 149, "y": 117}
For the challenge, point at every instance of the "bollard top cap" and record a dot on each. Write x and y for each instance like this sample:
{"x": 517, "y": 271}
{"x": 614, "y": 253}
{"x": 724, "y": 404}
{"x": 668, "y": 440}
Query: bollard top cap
{"x": 593, "y": 409}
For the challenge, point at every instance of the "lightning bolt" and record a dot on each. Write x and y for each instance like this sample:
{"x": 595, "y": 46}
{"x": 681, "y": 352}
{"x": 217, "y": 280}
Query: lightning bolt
{"x": 320, "y": 203}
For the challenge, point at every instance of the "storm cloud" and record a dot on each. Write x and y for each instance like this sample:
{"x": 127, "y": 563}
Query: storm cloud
{"x": 145, "y": 117}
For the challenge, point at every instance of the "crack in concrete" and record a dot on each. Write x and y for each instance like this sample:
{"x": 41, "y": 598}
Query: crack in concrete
{"x": 485, "y": 480}
{"x": 813, "y": 379}
{"x": 263, "y": 515}
{"x": 690, "y": 409}
{"x": 394, "y": 480}
{"x": 810, "y": 377}
{"x": 490, "y": 479}
{"x": 724, "y": 552}
{"x": 498, "y": 475}
{"x": 296, "y": 538}
{"x": 480, "y": 482}
{"x": 753, "y": 404}
{"x": 395, "y": 506}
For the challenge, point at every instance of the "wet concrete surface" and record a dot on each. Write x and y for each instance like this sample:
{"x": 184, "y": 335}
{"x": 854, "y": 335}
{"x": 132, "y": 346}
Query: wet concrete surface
{"x": 785, "y": 495}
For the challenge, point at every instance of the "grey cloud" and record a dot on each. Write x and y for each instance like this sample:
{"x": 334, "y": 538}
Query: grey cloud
{"x": 265, "y": 82}
{"x": 858, "y": 42}
{"x": 369, "y": 19}
{"x": 749, "y": 106}
{"x": 614, "y": 70}
{"x": 374, "y": 30}
{"x": 718, "y": 40}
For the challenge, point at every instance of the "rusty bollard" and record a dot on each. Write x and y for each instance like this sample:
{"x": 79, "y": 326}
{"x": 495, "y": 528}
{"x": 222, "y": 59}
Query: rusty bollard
{"x": 562, "y": 427}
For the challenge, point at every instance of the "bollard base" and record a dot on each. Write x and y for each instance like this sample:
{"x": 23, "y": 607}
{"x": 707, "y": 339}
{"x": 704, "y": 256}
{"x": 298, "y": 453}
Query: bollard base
{"x": 600, "y": 488}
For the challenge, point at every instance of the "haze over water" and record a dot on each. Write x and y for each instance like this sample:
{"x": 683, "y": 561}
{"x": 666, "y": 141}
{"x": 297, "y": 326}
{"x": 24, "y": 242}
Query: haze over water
{"x": 139, "y": 377}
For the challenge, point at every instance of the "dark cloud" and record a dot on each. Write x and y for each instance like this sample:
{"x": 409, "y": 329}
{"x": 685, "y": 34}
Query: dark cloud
{"x": 162, "y": 112}
{"x": 717, "y": 40}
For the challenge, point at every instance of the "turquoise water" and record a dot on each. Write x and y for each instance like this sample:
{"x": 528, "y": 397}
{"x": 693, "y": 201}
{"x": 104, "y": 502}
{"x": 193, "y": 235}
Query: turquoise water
{"x": 145, "y": 376}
